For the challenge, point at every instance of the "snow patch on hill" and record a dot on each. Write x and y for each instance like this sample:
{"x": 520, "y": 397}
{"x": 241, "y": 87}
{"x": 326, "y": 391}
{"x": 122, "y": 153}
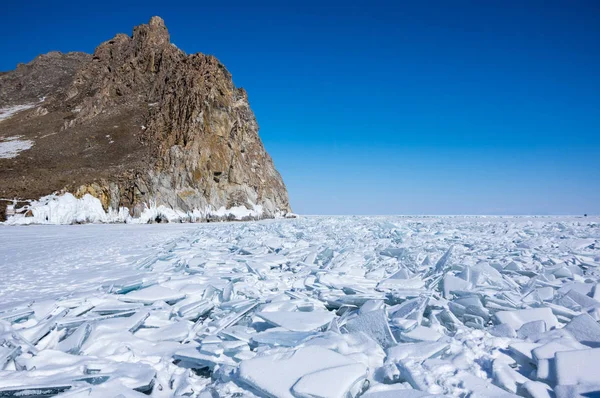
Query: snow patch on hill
{"x": 10, "y": 111}
{"x": 11, "y": 147}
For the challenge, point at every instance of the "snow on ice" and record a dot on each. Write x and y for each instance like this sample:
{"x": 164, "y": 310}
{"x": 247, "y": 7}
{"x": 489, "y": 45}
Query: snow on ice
{"x": 312, "y": 307}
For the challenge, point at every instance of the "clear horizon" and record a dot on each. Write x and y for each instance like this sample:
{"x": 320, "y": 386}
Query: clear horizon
{"x": 379, "y": 108}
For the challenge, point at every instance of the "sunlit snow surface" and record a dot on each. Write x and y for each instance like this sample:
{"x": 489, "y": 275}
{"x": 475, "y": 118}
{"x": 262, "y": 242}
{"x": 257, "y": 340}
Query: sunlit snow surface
{"x": 313, "y": 307}
{"x": 52, "y": 260}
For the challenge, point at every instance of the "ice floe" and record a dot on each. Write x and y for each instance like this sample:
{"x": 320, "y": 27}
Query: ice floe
{"x": 320, "y": 307}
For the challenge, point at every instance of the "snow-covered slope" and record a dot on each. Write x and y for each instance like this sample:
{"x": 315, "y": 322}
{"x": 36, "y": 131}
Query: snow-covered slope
{"x": 323, "y": 306}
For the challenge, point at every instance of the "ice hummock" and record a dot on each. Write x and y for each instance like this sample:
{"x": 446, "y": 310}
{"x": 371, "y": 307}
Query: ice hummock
{"x": 315, "y": 307}
{"x": 67, "y": 209}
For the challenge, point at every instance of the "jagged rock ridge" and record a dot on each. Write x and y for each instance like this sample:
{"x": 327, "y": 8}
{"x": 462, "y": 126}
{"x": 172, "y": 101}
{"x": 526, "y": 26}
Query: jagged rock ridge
{"x": 137, "y": 122}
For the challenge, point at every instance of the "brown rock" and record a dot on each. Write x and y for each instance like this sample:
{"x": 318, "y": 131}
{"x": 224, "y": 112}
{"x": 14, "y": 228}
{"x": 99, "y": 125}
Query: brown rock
{"x": 139, "y": 121}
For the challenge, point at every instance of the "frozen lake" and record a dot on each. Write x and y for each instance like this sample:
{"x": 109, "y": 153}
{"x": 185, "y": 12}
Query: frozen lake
{"x": 488, "y": 306}
{"x": 50, "y": 260}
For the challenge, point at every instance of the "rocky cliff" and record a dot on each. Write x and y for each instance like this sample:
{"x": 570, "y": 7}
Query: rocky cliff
{"x": 137, "y": 124}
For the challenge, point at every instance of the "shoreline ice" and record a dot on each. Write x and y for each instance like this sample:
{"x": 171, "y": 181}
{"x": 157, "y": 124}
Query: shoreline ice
{"x": 67, "y": 209}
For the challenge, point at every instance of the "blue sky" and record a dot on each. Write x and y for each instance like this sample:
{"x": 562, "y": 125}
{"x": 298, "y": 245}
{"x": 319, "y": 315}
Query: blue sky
{"x": 416, "y": 107}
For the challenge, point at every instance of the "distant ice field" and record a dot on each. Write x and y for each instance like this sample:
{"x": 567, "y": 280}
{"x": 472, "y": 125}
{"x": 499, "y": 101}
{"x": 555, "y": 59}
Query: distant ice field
{"x": 385, "y": 306}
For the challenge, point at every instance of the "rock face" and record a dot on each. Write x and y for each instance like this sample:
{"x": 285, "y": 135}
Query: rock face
{"x": 136, "y": 123}
{"x": 48, "y": 73}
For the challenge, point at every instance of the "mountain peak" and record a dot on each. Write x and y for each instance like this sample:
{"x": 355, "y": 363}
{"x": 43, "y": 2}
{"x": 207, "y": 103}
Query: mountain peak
{"x": 157, "y": 21}
{"x": 153, "y": 34}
